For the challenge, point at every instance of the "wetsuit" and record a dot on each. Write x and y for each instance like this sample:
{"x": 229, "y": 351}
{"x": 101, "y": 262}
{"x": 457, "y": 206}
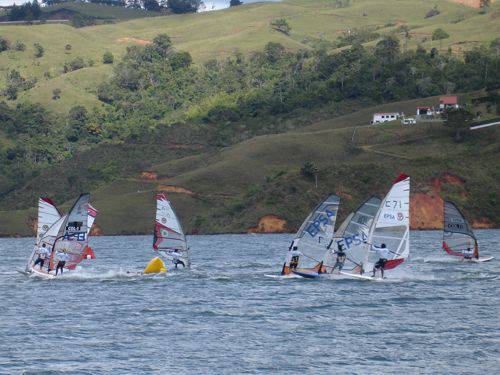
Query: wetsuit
{"x": 43, "y": 254}
{"x": 63, "y": 257}
{"x": 468, "y": 253}
{"x": 339, "y": 263}
{"x": 176, "y": 259}
{"x": 294, "y": 260}
{"x": 383, "y": 254}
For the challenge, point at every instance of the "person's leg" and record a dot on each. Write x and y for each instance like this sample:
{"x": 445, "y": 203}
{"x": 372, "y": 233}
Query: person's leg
{"x": 42, "y": 262}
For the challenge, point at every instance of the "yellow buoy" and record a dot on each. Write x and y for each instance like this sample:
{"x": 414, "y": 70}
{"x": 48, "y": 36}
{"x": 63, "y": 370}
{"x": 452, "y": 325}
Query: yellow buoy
{"x": 156, "y": 265}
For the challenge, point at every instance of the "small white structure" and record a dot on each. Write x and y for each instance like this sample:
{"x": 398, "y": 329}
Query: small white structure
{"x": 448, "y": 102}
{"x": 408, "y": 121}
{"x": 379, "y": 118}
{"x": 425, "y": 110}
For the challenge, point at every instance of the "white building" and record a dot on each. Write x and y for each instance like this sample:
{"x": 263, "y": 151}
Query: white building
{"x": 379, "y": 118}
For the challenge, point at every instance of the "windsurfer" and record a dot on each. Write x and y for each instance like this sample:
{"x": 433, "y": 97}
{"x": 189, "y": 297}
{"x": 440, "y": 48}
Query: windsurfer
{"x": 468, "y": 253}
{"x": 63, "y": 258}
{"x": 341, "y": 257}
{"x": 294, "y": 258}
{"x": 383, "y": 254}
{"x": 176, "y": 259}
{"x": 43, "y": 253}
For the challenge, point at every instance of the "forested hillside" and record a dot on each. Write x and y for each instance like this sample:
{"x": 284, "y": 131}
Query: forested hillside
{"x": 239, "y": 138}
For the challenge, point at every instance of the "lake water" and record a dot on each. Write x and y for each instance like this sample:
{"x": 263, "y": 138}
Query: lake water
{"x": 435, "y": 315}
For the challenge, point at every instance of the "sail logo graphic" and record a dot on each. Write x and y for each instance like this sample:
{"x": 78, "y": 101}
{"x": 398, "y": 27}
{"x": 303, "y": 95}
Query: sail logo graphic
{"x": 320, "y": 223}
{"x": 164, "y": 220}
{"x": 389, "y": 216}
{"x": 45, "y": 227}
{"x": 354, "y": 240}
{"x": 78, "y": 236}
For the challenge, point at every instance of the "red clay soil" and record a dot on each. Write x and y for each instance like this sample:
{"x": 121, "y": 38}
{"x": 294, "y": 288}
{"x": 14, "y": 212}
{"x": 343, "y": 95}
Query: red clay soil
{"x": 426, "y": 209}
{"x": 269, "y": 224}
{"x": 175, "y": 189}
{"x": 151, "y": 176}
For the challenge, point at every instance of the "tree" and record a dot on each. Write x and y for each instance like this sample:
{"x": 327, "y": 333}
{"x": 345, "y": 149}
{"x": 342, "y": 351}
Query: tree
{"x": 439, "y": 34}
{"x": 234, "y": 3}
{"x": 39, "y": 50}
{"x": 180, "y": 60}
{"x": 151, "y": 5}
{"x": 4, "y": 44}
{"x": 184, "y": 6}
{"x": 458, "y": 120}
{"x": 281, "y": 25}
{"x": 388, "y": 48}
{"x": 108, "y": 58}
{"x": 77, "y": 120}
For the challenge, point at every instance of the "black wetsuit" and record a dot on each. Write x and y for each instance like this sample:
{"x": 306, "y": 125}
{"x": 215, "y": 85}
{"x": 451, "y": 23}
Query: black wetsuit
{"x": 60, "y": 266}
{"x": 178, "y": 261}
{"x": 339, "y": 263}
{"x": 39, "y": 261}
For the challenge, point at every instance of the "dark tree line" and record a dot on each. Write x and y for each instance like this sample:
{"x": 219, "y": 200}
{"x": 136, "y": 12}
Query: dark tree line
{"x": 27, "y": 12}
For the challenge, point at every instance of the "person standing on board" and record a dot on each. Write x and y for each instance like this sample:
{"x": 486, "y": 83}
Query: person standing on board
{"x": 176, "y": 259}
{"x": 341, "y": 257}
{"x": 468, "y": 253}
{"x": 294, "y": 260}
{"x": 383, "y": 254}
{"x": 63, "y": 258}
{"x": 43, "y": 254}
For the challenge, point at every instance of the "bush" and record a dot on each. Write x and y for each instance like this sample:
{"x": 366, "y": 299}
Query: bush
{"x": 39, "y": 50}
{"x": 19, "y": 46}
{"x": 281, "y": 25}
{"x": 234, "y": 3}
{"x": 181, "y": 60}
{"x": 439, "y": 34}
{"x": 56, "y": 94}
{"x": 108, "y": 58}
{"x": 75, "y": 64}
{"x": 68, "y": 47}
{"x": 4, "y": 44}
{"x": 433, "y": 12}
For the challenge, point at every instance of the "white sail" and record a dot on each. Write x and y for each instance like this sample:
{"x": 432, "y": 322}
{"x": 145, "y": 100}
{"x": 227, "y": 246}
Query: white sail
{"x": 458, "y": 237}
{"x": 48, "y": 238}
{"x": 354, "y": 236}
{"x": 391, "y": 226}
{"x": 314, "y": 236}
{"x": 48, "y": 214}
{"x": 169, "y": 237}
{"x": 72, "y": 237}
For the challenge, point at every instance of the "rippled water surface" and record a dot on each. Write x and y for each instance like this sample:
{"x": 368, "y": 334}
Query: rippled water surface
{"x": 435, "y": 315}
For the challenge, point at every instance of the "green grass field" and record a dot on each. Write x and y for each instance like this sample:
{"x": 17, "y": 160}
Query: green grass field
{"x": 218, "y": 34}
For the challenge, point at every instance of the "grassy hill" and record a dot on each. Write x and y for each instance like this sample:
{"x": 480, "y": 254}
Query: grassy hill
{"x": 218, "y": 34}
{"x": 232, "y": 190}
